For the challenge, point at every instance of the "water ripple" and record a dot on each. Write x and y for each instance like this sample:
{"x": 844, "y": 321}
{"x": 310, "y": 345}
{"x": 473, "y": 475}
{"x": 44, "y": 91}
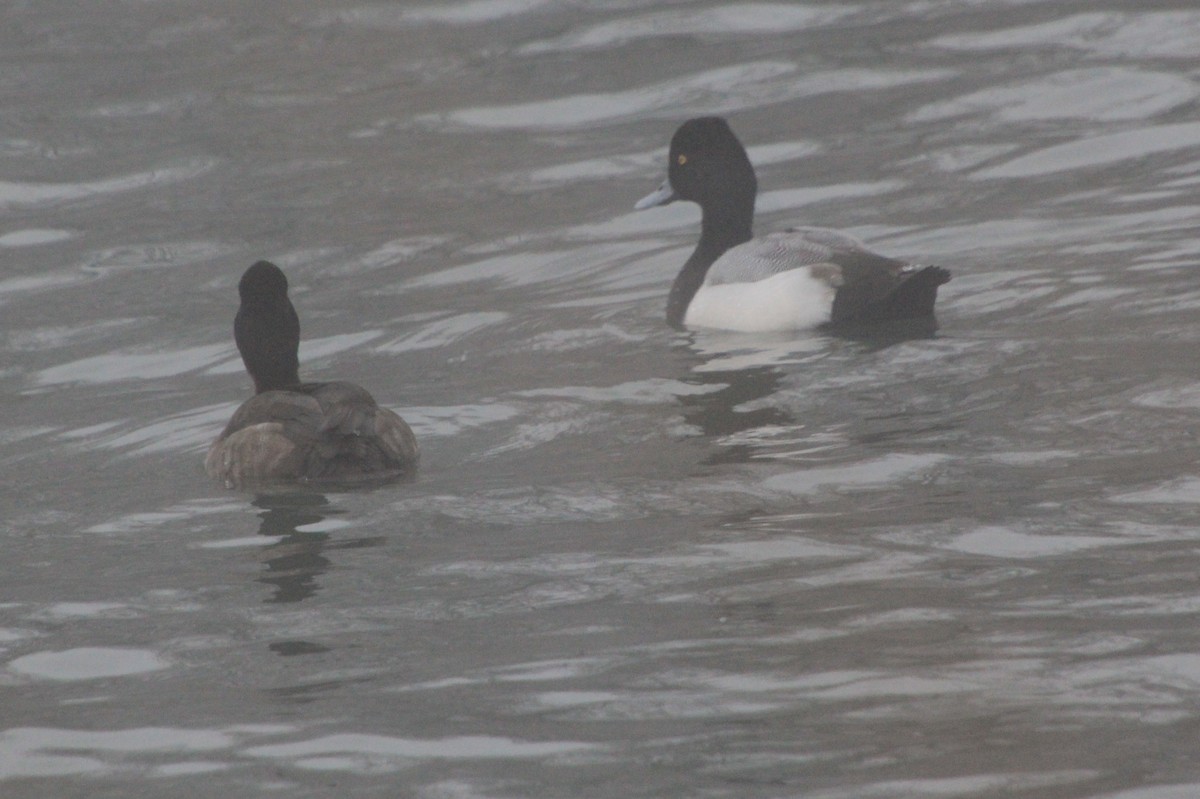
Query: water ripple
{"x": 44, "y": 752}
{"x": 15, "y": 194}
{"x": 1100, "y": 93}
{"x": 1165, "y": 34}
{"x": 465, "y": 12}
{"x": 35, "y": 237}
{"x": 738, "y": 19}
{"x": 361, "y": 752}
{"x": 589, "y": 109}
{"x": 87, "y": 663}
{"x": 1096, "y": 151}
{"x": 115, "y": 367}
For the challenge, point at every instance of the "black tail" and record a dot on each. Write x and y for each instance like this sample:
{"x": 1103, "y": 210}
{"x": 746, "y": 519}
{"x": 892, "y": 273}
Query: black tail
{"x": 913, "y": 298}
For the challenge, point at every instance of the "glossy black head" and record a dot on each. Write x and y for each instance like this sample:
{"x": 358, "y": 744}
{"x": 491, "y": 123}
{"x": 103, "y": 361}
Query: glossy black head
{"x": 263, "y": 283}
{"x": 266, "y": 329}
{"x": 708, "y": 165}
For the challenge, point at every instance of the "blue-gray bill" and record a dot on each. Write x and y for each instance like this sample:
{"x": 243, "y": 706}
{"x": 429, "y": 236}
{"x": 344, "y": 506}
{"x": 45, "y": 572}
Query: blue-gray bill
{"x": 661, "y": 196}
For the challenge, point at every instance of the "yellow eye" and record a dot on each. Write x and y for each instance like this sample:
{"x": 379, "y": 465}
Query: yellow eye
{"x": 681, "y": 160}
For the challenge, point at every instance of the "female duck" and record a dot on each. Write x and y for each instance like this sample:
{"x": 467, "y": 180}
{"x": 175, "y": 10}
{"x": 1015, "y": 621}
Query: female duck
{"x": 299, "y": 431}
{"x": 801, "y": 278}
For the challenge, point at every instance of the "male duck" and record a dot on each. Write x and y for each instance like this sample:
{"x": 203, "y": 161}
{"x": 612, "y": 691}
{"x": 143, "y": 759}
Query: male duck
{"x": 290, "y": 430}
{"x": 804, "y": 277}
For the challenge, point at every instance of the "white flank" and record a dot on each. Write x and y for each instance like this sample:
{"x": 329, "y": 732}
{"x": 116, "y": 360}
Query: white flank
{"x": 791, "y": 300}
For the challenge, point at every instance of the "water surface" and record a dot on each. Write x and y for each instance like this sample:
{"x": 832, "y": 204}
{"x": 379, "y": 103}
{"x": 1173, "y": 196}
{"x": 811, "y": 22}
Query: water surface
{"x": 635, "y": 562}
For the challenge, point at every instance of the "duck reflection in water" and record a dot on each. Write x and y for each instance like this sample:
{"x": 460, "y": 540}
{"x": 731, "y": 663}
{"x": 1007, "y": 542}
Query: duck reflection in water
{"x": 296, "y": 561}
{"x": 739, "y": 377}
{"x": 718, "y": 412}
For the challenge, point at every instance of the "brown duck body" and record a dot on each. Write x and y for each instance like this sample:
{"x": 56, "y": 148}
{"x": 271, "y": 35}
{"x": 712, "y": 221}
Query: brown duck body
{"x": 312, "y": 432}
{"x": 293, "y": 431}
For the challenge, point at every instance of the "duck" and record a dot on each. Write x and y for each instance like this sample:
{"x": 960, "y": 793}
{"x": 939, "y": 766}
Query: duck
{"x": 800, "y": 278}
{"x": 292, "y": 431}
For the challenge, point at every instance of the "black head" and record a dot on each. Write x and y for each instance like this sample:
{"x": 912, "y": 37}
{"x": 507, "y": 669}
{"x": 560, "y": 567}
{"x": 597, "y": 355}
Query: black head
{"x": 267, "y": 329}
{"x": 263, "y": 283}
{"x": 708, "y": 165}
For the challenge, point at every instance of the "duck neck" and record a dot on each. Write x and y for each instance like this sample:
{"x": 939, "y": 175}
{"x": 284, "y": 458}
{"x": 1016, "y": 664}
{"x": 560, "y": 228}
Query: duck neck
{"x": 720, "y": 229}
{"x": 726, "y": 225}
{"x": 277, "y": 378}
{"x": 268, "y": 337}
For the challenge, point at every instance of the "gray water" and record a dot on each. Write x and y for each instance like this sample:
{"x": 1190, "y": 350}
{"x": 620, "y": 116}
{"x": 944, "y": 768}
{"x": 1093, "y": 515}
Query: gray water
{"x": 635, "y": 562}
